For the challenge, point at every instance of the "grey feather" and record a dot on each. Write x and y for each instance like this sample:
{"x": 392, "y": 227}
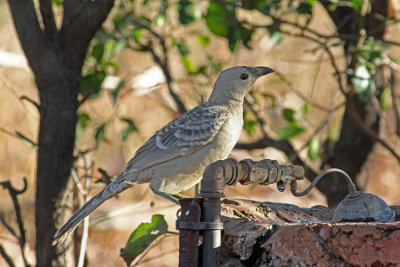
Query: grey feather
{"x": 180, "y": 137}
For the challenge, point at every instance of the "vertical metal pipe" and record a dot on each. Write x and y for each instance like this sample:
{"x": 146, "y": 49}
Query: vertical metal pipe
{"x": 189, "y": 238}
{"x": 211, "y": 238}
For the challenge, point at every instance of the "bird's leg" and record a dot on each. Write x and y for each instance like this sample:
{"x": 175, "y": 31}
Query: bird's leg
{"x": 157, "y": 185}
{"x": 179, "y": 196}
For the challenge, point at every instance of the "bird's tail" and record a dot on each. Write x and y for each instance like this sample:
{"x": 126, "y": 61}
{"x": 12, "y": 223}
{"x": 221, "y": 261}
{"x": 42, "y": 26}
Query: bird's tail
{"x": 111, "y": 190}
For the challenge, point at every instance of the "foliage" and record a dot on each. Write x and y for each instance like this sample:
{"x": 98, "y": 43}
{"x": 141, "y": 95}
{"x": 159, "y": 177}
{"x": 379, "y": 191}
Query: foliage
{"x": 143, "y": 236}
{"x": 148, "y": 27}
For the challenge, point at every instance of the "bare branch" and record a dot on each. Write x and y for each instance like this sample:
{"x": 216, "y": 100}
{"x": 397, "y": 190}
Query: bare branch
{"x": 17, "y": 208}
{"x": 9, "y": 228}
{"x": 299, "y": 93}
{"x": 162, "y": 61}
{"x": 46, "y": 11}
{"x": 6, "y": 257}
{"x": 31, "y": 36}
{"x": 281, "y": 145}
{"x": 88, "y": 174}
{"x": 30, "y": 100}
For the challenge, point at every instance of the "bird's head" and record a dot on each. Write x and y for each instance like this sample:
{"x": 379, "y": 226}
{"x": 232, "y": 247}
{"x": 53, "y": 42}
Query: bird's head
{"x": 233, "y": 83}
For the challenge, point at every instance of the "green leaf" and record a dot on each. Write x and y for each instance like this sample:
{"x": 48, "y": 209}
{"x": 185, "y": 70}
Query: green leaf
{"x": 97, "y": 52}
{"x": 188, "y": 65}
{"x": 83, "y": 120}
{"x": 271, "y": 97}
{"x": 245, "y": 36}
{"x": 100, "y": 134}
{"x": 233, "y": 38}
{"x": 385, "y": 98}
{"x": 217, "y": 19}
{"x": 357, "y": 4}
{"x": 313, "y": 149}
{"x": 249, "y": 124}
{"x": 137, "y": 33}
{"x": 146, "y": 20}
{"x": 289, "y": 132}
{"x": 187, "y": 12}
{"x": 332, "y": 7}
{"x": 142, "y": 237}
{"x": 364, "y": 85}
{"x": 118, "y": 21}
{"x": 254, "y": 4}
{"x": 289, "y": 114}
{"x": 333, "y": 136}
{"x": 203, "y": 39}
{"x": 58, "y": 3}
{"x": 92, "y": 83}
{"x": 114, "y": 93}
{"x": 275, "y": 37}
{"x": 182, "y": 47}
{"x": 305, "y": 107}
{"x": 129, "y": 129}
{"x": 304, "y": 8}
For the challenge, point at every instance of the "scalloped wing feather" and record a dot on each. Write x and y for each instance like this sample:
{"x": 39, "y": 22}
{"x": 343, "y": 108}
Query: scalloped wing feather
{"x": 180, "y": 137}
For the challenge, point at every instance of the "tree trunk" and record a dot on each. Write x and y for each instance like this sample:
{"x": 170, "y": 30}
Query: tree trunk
{"x": 353, "y": 147}
{"x": 56, "y": 57}
{"x": 58, "y": 117}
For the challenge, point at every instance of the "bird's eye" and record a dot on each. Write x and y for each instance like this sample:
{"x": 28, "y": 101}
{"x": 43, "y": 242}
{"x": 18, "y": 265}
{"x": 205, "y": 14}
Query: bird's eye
{"x": 244, "y": 76}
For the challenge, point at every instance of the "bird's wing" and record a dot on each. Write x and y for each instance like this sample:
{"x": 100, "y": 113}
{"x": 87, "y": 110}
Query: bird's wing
{"x": 180, "y": 137}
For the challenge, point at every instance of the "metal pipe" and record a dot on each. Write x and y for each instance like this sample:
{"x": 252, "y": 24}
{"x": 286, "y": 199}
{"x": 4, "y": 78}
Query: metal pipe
{"x": 189, "y": 237}
{"x": 229, "y": 171}
{"x": 211, "y": 237}
{"x": 212, "y": 188}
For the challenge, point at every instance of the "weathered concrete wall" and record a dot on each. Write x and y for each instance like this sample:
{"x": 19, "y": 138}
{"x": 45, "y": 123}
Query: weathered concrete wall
{"x": 273, "y": 234}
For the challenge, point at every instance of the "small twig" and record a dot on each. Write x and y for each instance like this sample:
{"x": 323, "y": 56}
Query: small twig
{"x": 76, "y": 181}
{"x": 30, "y": 101}
{"x": 299, "y": 93}
{"x": 281, "y": 145}
{"x": 85, "y": 97}
{"x": 6, "y": 257}
{"x": 85, "y": 193}
{"x": 13, "y": 193}
{"x": 9, "y": 228}
{"x": 162, "y": 62}
{"x": 155, "y": 243}
{"x": 160, "y": 255}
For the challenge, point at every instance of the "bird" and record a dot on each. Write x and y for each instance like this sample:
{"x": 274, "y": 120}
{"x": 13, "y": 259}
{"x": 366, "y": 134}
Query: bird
{"x": 174, "y": 158}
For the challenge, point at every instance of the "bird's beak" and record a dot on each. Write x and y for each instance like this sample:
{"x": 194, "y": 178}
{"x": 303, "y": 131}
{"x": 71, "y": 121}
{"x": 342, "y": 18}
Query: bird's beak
{"x": 261, "y": 71}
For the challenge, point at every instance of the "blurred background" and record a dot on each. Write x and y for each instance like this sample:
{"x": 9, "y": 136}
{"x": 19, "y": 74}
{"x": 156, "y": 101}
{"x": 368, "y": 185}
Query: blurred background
{"x": 332, "y": 102}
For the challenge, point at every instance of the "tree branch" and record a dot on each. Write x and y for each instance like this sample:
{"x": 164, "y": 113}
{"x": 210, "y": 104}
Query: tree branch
{"x": 80, "y": 22}
{"x": 281, "y": 145}
{"x": 30, "y": 35}
{"x": 46, "y": 11}
{"x": 17, "y": 208}
{"x": 6, "y": 257}
{"x": 162, "y": 62}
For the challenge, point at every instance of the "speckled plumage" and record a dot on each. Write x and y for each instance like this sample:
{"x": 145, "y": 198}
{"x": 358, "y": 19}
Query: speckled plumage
{"x": 174, "y": 158}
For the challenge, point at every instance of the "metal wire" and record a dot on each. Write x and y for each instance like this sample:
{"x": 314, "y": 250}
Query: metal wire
{"x": 293, "y": 184}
